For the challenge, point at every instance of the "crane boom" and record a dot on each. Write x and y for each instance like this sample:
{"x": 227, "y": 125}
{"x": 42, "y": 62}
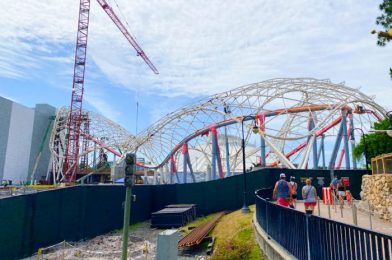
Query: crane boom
{"x": 75, "y": 114}
{"x": 106, "y": 7}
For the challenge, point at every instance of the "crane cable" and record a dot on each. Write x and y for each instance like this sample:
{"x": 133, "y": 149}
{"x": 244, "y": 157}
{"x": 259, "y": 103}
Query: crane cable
{"x": 125, "y": 19}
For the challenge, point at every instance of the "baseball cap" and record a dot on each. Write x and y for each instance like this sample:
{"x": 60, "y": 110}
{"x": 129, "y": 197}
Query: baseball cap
{"x": 282, "y": 175}
{"x": 292, "y": 178}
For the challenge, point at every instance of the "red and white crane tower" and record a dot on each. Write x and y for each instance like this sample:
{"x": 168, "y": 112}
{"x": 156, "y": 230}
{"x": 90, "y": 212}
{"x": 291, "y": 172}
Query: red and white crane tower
{"x": 75, "y": 113}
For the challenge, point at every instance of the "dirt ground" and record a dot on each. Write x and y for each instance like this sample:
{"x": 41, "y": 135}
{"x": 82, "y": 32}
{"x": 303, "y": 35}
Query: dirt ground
{"x": 142, "y": 245}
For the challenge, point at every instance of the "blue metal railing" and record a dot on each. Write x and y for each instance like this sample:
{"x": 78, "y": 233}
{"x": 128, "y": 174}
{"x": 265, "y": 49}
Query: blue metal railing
{"x": 313, "y": 237}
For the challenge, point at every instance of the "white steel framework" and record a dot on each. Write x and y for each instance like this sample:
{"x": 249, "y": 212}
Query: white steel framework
{"x": 296, "y": 117}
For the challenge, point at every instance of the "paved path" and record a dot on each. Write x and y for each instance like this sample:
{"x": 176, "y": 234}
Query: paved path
{"x": 363, "y": 218}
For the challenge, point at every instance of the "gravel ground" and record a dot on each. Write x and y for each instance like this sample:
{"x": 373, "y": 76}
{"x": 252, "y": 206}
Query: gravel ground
{"x": 142, "y": 246}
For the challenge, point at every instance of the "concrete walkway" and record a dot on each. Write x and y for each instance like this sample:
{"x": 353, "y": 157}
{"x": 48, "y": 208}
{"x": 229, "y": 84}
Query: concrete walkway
{"x": 363, "y": 217}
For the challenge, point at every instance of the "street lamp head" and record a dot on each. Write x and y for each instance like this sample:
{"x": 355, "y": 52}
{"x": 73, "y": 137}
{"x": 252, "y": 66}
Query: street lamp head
{"x": 352, "y": 139}
{"x": 255, "y": 129}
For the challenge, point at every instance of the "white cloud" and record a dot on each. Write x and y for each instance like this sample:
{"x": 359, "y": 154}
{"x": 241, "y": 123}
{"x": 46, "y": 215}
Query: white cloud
{"x": 102, "y": 106}
{"x": 204, "y": 47}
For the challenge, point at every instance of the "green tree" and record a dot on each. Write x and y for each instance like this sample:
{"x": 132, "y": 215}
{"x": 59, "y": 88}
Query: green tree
{"x": 385, "y": 20}
{"x": 376, "y": 143}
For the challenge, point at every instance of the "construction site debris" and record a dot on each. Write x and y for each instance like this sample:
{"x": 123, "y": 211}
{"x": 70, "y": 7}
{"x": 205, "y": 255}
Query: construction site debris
{"x": 198, "y": 234}
{"x": 142, "y": 245}
{"x": 173, "y": 216}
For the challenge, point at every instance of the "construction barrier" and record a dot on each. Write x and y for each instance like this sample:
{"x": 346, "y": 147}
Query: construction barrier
{"x": 327, "y": 195}
{"x": 33, "y": 221}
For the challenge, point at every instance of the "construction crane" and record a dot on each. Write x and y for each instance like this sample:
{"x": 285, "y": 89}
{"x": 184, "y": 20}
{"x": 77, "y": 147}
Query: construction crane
{"x": 75, "y": 113}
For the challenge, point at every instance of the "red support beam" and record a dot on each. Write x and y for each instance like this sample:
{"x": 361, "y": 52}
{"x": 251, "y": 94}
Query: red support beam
{"x": 302, "y": 145}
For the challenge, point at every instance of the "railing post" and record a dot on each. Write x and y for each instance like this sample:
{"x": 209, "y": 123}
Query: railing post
{"x": 341, "y": 211}
{"x": 329, "y": 209}
{"x": 266, "y": 215}
{"x": 307, "y": 216}
{"x": 370, "y": 216}
{"x": 318, "y": 206}
{"x": 355, "y": 220}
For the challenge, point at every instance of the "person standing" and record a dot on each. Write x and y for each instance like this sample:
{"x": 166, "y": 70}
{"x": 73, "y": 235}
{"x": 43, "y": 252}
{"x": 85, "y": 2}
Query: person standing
{"x": 282, "y": 191}
{"x": 341, "y": 187}
{"x": 309, "y": 194}
{"x": 334, "y": 187}
{"x": 293, "y": 187}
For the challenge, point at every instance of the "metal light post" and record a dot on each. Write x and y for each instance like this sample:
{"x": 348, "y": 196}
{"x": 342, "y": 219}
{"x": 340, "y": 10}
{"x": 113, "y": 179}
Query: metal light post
{"x": 245, "y": 208}
{"x": 352, "y": 139}
{"x": 130, "y": 169}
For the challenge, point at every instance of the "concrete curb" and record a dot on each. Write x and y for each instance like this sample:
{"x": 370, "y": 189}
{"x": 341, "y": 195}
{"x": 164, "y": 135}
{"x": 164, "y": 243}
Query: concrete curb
{"x": 270, "y": 247}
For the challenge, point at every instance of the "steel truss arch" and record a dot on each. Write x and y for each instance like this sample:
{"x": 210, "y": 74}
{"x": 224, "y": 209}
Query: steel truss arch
{"x": 191, "y": 123}
{"x": 295, "y": 117}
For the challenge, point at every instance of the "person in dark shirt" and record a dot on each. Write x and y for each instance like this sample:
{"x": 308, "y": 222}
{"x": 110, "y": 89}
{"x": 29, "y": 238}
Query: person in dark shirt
{"x": 282, "y": 191}
{"x": 293, "y": 188}
{"x": 334, "y": 185}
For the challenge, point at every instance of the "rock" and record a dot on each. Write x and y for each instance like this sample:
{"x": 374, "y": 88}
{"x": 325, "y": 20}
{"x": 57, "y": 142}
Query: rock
{"x": 377, "y": 191}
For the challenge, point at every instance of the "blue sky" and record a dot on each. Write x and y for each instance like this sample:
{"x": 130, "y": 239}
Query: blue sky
{"x": 199, "y": 47}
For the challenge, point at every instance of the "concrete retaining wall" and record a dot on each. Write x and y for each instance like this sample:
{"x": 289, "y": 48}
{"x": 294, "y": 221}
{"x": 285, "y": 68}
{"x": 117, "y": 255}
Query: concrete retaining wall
{"x": 270, "y": 247}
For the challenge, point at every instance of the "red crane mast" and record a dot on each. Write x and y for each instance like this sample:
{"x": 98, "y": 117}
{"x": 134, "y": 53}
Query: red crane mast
{"x": 75, "y": 113}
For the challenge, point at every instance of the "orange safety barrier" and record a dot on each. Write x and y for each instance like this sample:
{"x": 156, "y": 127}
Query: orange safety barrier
{"x": 327, "y": 195}
{"x": 349, "y": 197}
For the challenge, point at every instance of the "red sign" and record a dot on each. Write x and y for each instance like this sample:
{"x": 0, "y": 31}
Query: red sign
{"x": 346, "y": 181}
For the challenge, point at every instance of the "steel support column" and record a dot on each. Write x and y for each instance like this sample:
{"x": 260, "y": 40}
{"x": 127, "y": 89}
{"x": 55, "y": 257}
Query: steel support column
{"x": 323, "y": 149}
{"x": 166, "y": 172}
{"x": 187, "y": 163}
{"x": 213, "y": 156}
{"x": 319, "y": 153}
{"x": 216, "y": 159}
{"x": 260, "y": 119}
{"x": 190, "y": 168}
{"x": 173, "y": 170}
{"x": 208, "y": 172}
{"x": 345, "y": 139}
{"x": 184, "y": 168}
{"x": 219, "y": 158}
{"x": 336, "y": 146}
{"x": 312, "y": 125}
{"x": 263, "y": 157}
{"x": 228, "y": 173}
{"x": 145, "y": 177}
{"x": 351, "y": 117}
{"x": 171, "y": 173}
{"x": 95, "y": 156}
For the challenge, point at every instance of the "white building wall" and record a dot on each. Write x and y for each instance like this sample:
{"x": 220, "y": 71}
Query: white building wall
{"x": 19, "y": 144}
